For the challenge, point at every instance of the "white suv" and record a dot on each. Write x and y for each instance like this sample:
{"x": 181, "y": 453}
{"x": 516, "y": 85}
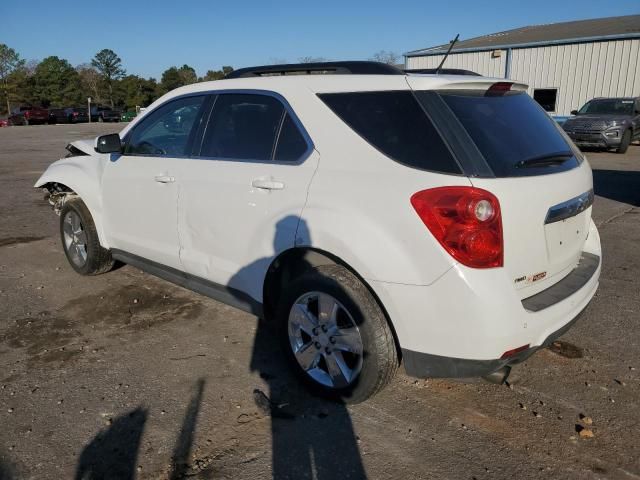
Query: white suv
{"x": 378, "y": 217}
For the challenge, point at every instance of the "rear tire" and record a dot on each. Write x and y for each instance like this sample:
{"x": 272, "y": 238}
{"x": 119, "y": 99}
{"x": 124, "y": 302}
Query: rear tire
{"x": 356, "y": 356}
{"x": 625, "y": 142}
{"x": 80, "y": 240}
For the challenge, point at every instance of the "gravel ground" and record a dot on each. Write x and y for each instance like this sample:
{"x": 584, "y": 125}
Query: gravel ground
{"x": 124, "y": 375}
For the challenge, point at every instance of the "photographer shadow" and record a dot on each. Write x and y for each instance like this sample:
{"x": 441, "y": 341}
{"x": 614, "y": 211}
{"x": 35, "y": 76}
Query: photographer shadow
{"x": 311, "y": 438}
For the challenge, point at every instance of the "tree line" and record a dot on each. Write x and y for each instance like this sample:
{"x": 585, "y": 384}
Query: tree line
{"x": 54, "y": 82}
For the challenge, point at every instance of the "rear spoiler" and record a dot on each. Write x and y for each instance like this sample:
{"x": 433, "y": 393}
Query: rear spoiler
{"x": 485, "y": 84}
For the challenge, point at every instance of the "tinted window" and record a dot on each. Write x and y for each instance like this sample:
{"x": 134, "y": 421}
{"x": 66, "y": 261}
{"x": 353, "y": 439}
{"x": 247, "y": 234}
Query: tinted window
{"x": 243, "y": 126}
{"x": 166, "y": 130}
{"x": 395, "y": 124}
{"x": 509, "y": 129}
{"x": 608, "y": 106}
{"x": 291, "y": 144}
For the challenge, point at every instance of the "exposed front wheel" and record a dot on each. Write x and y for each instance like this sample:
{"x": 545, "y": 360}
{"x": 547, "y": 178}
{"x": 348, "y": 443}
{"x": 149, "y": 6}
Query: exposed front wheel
{"x": 80, "y": 240}
{"x": 335, "y": 335}
{"x": 624, "y": 143}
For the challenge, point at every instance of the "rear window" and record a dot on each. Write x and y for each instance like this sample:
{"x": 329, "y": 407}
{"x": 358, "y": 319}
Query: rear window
{"x": 394, "y": 123}
{"x": 513, "y": 133}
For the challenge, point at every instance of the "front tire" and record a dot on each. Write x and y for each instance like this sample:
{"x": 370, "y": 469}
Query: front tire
{"x": 80, "y": 240}
{"x": 335, "y": 335}
{"x": 625, "y": 142}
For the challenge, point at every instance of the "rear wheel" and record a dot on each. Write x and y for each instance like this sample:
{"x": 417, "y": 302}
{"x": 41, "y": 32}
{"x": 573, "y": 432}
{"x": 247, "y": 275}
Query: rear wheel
{"x": 335, "y": 335}
{"x": 624, "y": 143}
{"x": 80, "y": 240}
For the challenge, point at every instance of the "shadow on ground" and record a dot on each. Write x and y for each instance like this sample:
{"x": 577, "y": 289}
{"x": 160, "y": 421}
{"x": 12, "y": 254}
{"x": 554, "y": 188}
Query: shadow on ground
{"x": 619, "y": 185}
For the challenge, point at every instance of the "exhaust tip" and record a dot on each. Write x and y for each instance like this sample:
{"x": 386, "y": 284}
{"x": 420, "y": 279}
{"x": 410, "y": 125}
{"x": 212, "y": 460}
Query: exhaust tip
{"x": 499, "y": 376}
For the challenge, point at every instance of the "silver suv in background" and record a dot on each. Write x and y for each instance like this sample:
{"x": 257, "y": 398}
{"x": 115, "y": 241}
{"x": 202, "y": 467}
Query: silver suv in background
{"x": 605, "y": 123}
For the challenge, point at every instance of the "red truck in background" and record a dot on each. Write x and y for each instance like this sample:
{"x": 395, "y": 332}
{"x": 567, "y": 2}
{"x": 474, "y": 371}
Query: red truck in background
{"x": 28, "y": 116}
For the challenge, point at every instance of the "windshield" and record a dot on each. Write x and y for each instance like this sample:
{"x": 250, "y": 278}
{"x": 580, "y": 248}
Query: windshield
{"x": 608, "y": 106}
{"x": 513, "y": 133}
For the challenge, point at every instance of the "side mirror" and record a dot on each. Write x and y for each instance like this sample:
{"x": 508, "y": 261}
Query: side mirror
{"x": 109, "y": 144}
{"x": 574, "y": 112}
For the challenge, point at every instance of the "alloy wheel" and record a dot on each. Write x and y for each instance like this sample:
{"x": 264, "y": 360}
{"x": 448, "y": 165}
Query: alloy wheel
{"x": 325, "y": 340}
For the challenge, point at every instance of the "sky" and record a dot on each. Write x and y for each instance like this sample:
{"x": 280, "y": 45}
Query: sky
{"x": 151, "y": 36}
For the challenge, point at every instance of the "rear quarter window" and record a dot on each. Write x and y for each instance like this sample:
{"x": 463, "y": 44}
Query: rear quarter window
{"x": 395, "y": 124}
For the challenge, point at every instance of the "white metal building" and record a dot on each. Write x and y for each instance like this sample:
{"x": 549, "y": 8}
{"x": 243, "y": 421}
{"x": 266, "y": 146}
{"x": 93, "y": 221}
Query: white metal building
{"x": 564, "y": 64}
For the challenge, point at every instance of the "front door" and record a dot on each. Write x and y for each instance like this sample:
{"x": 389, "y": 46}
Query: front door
{"x": 139, "y": 187}
{"x": 240, "y": 201}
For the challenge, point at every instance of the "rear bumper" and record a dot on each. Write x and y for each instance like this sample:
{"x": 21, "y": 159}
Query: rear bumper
{"x": 463, "y": 323}
{"x": 424, "y": 365}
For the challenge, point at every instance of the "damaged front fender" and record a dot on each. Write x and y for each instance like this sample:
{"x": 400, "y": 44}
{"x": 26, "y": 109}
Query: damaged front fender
{"x": 81, "y": 176}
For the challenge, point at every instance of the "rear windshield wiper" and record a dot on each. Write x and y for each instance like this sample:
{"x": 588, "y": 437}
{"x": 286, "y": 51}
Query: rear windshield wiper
{"x": 546, "y": 160}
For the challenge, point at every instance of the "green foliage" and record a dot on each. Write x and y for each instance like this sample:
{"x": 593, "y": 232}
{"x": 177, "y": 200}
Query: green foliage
{"x": 10, "y": 62}
{"x": 216, "y": 74}
{"x": 174, "y": 77}
{"x": 56, "y": 82}
{"x": 135, "y": 91}
{"x": 109, "y": 65}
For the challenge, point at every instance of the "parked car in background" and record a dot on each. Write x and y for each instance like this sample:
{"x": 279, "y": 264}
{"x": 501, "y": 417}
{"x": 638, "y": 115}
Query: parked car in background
{"x": 68, "y": 115}
{"x": 560, "y": 119}
{"x": 76, "y": 115}
{"x": 57, "y": 115}
{"x": 28, "y": 115}
{"x": 275, "y": 205}
{"x": 128, "y": 115}
{"x": 605, "y": 123}
{"x": 101, "y": 113}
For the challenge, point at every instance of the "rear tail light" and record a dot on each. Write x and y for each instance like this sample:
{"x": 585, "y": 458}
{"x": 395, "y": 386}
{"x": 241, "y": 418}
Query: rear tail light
{"x": 466, "y": 221}
{"x": 499, "y": 88}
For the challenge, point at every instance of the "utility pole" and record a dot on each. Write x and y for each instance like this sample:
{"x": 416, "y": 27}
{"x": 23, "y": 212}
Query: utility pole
{"x": 89, "y": 108}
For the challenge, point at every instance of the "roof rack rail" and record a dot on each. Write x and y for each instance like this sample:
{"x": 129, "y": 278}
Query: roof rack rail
{"x": 442, "y": 71}
{"x": 336, "y": 68}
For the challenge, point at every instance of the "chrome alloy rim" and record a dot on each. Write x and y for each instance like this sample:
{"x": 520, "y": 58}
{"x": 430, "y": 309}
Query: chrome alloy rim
{"x": 325, "y": 340}
{"x": 75, "y": 238}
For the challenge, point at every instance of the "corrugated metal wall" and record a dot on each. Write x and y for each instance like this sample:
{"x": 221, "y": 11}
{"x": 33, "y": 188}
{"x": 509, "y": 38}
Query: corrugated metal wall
{"x": 480, "y": 62}
{"x": 579, "y": 71}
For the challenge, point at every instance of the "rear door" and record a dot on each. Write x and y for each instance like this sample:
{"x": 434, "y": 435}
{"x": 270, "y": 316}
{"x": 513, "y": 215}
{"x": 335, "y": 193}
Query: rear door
{"x": 538, "y": 175}
{"x": 240, "y": 201}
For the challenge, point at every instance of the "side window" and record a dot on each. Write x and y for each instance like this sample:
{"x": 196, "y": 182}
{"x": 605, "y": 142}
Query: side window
{"x": 166, "y": 131}
{"x": 394, "y": 123}
{"x": 243, "y": 126}
{"x": 291, "y": 144}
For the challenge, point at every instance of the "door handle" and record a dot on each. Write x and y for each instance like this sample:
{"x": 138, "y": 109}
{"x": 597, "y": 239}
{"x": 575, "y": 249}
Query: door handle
{"x": 267, "y": 184}
{"x": 164, "y": 179}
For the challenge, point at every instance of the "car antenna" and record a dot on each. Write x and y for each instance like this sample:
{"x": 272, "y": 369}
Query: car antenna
{"x": 451, "y": 44}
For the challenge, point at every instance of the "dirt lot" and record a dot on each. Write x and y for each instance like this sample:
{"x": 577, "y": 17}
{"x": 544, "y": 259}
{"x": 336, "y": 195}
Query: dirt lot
{"x": 125, "y": 375}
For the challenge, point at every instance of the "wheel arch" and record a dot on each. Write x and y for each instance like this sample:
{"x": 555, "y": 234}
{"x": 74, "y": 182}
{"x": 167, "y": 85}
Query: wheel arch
{"x": 296, "y": 261}
{"x": 77, "y": 180}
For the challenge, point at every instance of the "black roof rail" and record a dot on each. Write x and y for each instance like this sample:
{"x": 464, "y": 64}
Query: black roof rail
{"x": 442, "y": 71}
{"x": 336, "y": 68}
